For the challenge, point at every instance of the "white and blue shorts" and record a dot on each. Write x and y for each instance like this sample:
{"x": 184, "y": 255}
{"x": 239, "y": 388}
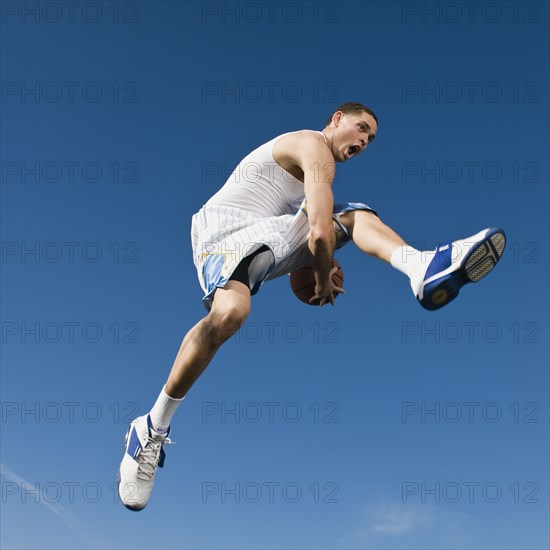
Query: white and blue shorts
{"x": 223, "y": 236}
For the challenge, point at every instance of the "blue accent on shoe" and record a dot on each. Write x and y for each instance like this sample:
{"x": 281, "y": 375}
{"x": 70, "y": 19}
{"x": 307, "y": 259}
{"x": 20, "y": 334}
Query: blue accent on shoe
{"x": 134, "y": 446}
{"x": 441, "y": 260}
{"x": 447, "y": 288}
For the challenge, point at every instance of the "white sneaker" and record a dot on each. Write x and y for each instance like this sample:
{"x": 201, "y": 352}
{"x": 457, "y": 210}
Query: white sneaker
{"x": 143, "y": 454}
{"x": 458, "y": 263}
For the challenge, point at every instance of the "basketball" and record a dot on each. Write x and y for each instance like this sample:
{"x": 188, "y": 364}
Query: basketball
{"x": 302, "y": 282}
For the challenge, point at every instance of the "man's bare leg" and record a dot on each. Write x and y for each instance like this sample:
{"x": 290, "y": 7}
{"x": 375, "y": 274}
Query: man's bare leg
{"x": 371, "y": 235}
{"x": 436, "y": 276}
{"x": 230, "y": 309}
{"x": 375, "y": 238}
{"x": 147, "y": 434}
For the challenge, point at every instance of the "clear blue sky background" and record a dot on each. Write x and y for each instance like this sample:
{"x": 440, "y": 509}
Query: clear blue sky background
{"x": 167, "y": 96}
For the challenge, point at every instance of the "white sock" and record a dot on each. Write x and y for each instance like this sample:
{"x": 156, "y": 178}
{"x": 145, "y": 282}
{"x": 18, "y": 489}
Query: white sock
{"x": 163, "y": 410}
{"x": 413, "y": 263}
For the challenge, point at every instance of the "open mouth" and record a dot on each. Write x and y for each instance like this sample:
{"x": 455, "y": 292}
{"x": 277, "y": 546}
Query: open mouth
{"x": 352, "y": 150}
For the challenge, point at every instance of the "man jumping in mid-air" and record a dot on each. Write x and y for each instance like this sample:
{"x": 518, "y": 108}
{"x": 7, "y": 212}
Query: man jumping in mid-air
{"x": 274, "y": 215}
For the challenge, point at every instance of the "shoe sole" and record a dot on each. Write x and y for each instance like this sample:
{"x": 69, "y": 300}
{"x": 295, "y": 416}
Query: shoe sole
{"x": 478, "y": 263}
{"x": 133, "y": 508}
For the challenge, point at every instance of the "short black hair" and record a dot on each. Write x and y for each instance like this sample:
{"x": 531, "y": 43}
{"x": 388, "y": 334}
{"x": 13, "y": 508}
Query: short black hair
{"x": 354, "y": 108}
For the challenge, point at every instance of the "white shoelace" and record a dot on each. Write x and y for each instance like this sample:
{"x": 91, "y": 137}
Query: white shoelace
{"x": 149, "y": 456}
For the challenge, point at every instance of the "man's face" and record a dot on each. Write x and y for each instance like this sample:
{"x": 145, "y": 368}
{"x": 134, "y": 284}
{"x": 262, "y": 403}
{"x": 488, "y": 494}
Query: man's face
{"x": 352, "y": 134}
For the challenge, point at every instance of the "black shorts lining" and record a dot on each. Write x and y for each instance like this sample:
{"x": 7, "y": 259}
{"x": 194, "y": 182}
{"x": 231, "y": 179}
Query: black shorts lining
{"x": 241, "y": 272}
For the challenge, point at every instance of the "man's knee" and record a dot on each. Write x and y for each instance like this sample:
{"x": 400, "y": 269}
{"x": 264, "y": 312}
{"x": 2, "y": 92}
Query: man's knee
{"x": 224, "y": 321}
{"x": 348, "y": 219}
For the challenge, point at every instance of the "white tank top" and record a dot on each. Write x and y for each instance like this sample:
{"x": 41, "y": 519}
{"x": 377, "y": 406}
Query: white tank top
{"x": 260, "y": 186}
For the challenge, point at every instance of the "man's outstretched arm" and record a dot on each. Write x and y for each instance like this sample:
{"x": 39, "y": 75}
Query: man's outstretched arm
{"x": 312, "y": 155}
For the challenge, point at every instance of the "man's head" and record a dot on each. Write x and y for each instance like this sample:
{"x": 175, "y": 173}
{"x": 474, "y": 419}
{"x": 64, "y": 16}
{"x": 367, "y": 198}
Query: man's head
{"x": 349, "y": 130}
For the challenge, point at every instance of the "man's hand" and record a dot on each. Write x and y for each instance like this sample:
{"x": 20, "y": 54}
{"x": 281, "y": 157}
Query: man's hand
{"x": 324, "y": 294}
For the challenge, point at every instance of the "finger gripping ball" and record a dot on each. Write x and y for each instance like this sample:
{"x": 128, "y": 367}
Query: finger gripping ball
{"x": 302, "y": 282}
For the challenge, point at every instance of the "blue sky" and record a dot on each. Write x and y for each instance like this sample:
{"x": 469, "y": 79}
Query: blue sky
{"x": 373, "y": 424}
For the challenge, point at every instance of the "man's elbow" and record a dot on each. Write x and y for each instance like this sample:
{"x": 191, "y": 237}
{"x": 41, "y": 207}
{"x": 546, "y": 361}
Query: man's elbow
{"x": 321, "y": 235}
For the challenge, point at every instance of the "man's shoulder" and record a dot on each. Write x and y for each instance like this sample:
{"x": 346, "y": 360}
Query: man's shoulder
{"x": 305, "y": 135}
{"x": 310, "y": 139}
{"x": 298, "y": 149}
